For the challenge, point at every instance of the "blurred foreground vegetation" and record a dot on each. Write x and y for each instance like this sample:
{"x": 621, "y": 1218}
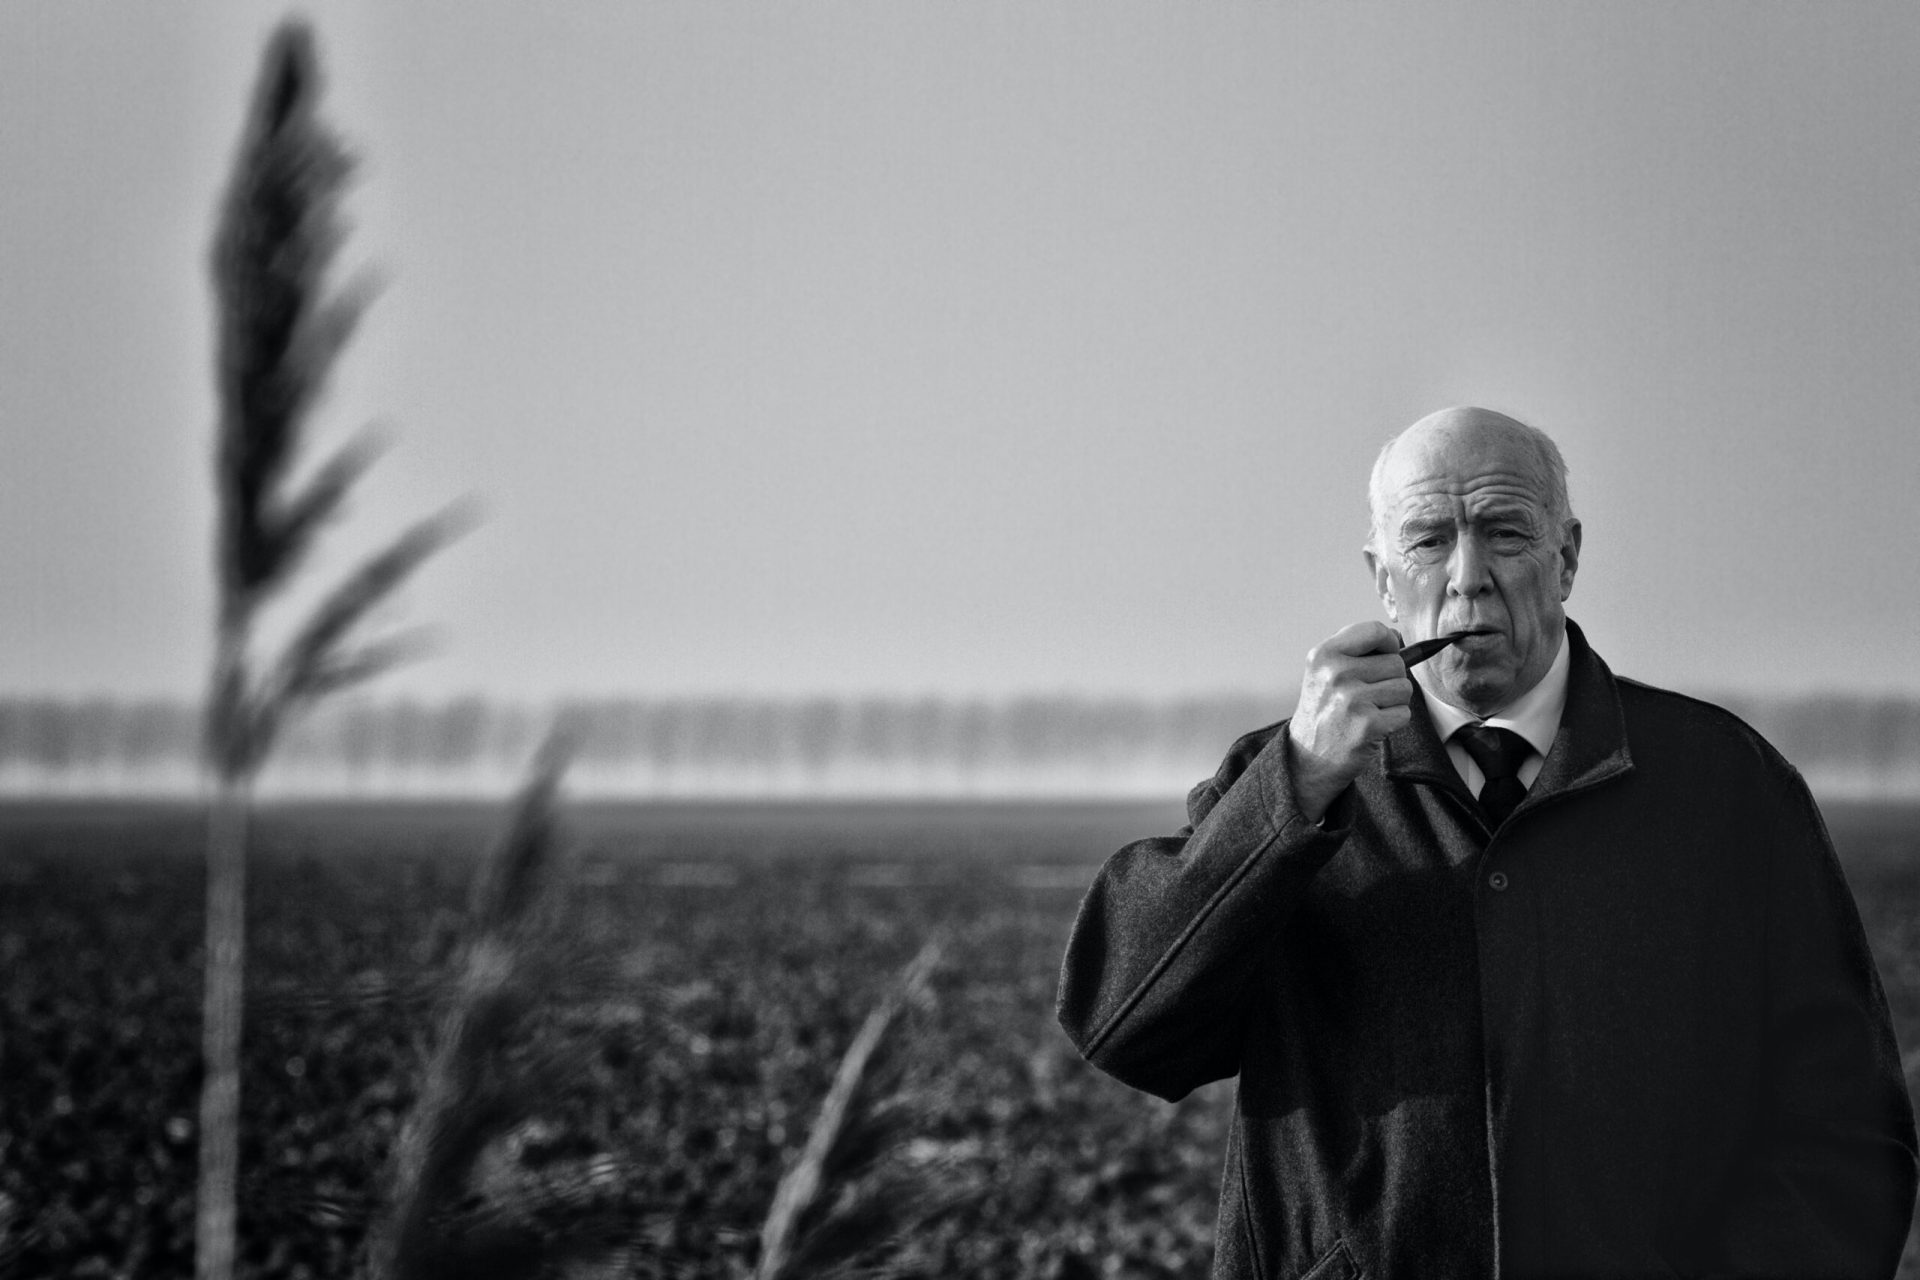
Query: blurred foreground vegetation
{"x": 723, "y": 961}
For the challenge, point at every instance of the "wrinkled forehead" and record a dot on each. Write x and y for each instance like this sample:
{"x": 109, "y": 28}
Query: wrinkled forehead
{"x": 1475, "y": 471}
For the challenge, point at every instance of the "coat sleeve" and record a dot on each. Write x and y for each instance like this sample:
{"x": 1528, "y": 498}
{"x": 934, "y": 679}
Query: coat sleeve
{"x": 1157, "y": 968}
{"x": 1829, "y": 1187}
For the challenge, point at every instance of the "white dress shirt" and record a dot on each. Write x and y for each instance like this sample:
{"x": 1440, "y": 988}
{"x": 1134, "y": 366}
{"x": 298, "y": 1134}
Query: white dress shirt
{"x": 1534, "y": 715}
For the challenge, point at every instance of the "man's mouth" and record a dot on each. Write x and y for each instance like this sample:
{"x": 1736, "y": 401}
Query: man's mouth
{"x": 1477, "y": 638}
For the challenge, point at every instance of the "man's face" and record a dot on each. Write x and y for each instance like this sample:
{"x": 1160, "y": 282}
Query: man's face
{"x": 1467, "y": 542}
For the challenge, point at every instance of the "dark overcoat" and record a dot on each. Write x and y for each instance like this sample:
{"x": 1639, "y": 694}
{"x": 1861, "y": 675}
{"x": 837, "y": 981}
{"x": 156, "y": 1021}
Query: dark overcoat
{"x": 1637, "y": 1032}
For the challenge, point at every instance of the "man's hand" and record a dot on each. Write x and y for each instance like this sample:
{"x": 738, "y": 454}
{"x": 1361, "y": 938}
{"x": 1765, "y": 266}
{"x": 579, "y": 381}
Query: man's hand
{"x": 1355, "y": 692}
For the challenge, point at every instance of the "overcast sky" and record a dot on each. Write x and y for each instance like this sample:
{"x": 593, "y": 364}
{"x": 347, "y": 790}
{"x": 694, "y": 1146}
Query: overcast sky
{"x": 989, "y": 347}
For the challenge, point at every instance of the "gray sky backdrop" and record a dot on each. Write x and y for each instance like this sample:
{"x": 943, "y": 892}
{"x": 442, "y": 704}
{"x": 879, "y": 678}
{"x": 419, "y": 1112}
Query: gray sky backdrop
{"x": 989, "y": 347}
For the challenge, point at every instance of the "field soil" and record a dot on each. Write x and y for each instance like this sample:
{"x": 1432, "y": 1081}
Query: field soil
{"x": 722, "y": 960}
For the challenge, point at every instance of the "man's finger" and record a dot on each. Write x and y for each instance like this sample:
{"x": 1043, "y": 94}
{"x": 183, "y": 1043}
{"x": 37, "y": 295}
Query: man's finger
{"x": 1362, "y": 638}
{"x": 1374, "y": 668}
{"x": 1391, "y": 693}
{"x": 1393, "y": 719}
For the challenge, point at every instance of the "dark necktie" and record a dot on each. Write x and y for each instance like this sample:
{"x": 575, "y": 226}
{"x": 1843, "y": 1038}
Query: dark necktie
{"x": 1499, "y": 753}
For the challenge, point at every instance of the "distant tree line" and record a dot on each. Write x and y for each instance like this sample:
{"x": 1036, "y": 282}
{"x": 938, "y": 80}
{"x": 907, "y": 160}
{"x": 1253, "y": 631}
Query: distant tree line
{"x": 106, "y": 742}
{"x": 103, "y": 738}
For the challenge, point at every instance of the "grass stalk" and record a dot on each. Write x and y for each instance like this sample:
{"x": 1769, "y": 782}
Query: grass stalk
{"x": 216, "y": 1205}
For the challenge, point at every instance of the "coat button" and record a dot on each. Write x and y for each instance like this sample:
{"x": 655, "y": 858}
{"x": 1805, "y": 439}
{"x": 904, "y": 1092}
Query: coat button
{"x": 1497, "y": 881}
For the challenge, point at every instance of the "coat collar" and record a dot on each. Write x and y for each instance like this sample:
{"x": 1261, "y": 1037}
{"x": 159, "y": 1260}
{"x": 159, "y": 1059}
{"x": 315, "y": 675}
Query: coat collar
{"x": 1590, "y": 747}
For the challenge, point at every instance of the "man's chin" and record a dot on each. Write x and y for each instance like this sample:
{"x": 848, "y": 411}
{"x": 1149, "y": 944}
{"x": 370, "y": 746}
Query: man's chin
{"x": 1480, "y": 691}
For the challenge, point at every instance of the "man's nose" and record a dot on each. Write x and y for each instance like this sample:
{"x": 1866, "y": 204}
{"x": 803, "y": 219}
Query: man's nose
{"x": 1467, "y": 573}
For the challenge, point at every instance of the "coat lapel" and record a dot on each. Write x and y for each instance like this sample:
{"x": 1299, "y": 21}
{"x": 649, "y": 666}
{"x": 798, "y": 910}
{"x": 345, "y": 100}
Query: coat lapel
{"x": 1416, "y": 754}
{"x": 1591, "y": 745}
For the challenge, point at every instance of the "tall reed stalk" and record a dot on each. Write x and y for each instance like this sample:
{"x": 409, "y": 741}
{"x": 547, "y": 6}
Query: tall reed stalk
{"x": 279, "y": 327}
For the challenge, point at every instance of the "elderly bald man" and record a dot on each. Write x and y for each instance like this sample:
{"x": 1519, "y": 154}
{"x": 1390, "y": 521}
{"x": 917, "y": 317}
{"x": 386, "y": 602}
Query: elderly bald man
{"x": 1525, "y": 969}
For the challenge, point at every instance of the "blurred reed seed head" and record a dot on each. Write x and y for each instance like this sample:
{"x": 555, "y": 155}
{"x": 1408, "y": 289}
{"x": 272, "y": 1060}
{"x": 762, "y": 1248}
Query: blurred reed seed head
{"x": 482, "y": 1183}
{"x": 280, "y": 326}
{"x": 518, "y": 887}
{"x": 847, "y": 1202}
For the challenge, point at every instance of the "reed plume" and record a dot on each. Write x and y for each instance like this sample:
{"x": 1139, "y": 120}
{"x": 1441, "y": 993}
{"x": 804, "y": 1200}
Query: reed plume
{"x": 280, "y": 325}
{"x": 837, "y": 1206}
{"x": 472, "y": 1194}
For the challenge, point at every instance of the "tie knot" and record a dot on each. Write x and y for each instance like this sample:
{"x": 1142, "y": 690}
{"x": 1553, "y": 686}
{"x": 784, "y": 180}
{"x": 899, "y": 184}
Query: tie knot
{"x": 1498, "y": 752}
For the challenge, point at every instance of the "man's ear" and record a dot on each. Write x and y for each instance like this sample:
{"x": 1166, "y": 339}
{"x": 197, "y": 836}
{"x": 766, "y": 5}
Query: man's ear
{"x": 1382, "y": 583}
{"x": 1569, "y": 557}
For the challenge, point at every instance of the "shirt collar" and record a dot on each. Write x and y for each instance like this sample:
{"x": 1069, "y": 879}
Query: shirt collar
{"x": 1534, "y": 715}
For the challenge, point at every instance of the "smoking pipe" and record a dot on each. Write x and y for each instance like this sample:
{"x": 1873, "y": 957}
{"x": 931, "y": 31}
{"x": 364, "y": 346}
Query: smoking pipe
{"x": 1420, "y": 650}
